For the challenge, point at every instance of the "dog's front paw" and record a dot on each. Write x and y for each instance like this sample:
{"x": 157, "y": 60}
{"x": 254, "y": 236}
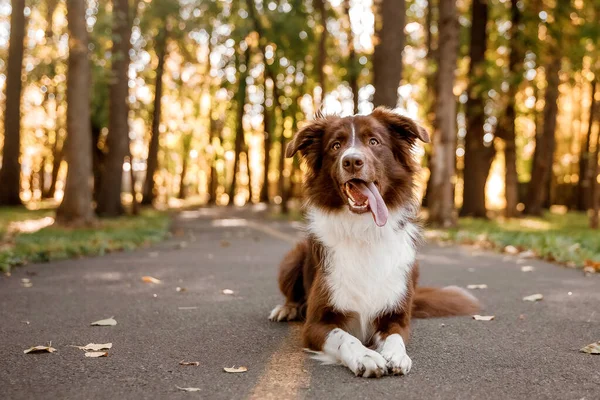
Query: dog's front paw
{"x": 286, "y": 312}
{"x": 366, "y": 363}
{"x": 397, "y": 363}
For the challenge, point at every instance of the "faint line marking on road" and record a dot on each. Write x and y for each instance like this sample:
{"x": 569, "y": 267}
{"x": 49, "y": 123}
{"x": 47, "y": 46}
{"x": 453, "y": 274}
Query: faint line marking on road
{"x": 286, "y": 372}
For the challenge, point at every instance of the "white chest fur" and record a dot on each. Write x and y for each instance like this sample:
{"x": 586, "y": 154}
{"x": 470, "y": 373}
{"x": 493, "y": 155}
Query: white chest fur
{"x": 366, "y": 266}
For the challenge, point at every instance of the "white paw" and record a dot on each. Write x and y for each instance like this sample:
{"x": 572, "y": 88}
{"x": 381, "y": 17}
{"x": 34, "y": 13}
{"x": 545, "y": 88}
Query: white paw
{"x": 287, "y": 312}
{"x": 393, "y": 351}
{"x": 362, "y": 361}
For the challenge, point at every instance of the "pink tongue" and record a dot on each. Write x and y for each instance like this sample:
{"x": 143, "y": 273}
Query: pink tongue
{"x": 376, "y": 203}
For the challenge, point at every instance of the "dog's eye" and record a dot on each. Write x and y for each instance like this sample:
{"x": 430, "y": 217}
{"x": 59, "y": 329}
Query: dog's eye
{"x": 373, "y": 142}
{"x": 336, "y": 146}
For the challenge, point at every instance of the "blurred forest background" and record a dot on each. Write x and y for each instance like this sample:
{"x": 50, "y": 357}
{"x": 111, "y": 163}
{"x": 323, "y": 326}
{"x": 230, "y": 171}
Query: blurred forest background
{"x": 112, "y": 105}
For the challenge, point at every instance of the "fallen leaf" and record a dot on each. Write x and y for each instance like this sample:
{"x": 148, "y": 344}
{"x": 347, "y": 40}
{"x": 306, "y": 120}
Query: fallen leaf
{"x": 527, "y": 268}
{"x": 527, "y": 254}
{"x": 182, "y": 245}
{"x": 593, "y": 264}
{"x": 483, "y": 317}
{"x": 95, "y": 347}
{"x": 511, "y": 250}
{"x": 225, "y": 243}
{"x": 150, "y": 279}
{"x": 192, "y": 363}
{"x": 180, "y": 289}
{"x": 105, "y": 322}
{"x": 593, "y": 348}
{"x": 96, "y": 354}
{"x": 26, "y": 282}
{"x": 40, "y": 349}
{"x": 234, "y": 370}
{"x": 477, "y": 286}
{"x": 522, "y": 317}
{"x": 589, "y": 270}
{"x": 533, "y": 297}
{"x": 187, "y": 308}
{"x": 188, "y": 389}
{"x": 227, "y": 291}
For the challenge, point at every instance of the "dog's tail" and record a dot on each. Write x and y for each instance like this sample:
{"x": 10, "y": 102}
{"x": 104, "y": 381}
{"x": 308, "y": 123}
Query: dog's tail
{"x": 449, "y": 301}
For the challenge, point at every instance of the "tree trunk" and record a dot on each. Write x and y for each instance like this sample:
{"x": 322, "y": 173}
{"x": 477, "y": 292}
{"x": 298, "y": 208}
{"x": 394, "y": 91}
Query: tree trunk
{"x": 117, "y": 141}
{"x": 10, "y": 171}
{"x": 184, "y": 167}
{"x": 508, "y": 126}
{"x": 387, "y": 57}
{"x": 583, "y": 186}
{"x": 595, "y": 185}
{"x": 322, "y": 55}
{"x": 353, "y": 68}
{"x": 239, "y": 132}
{"x": 152, "y": 160}
{"x": 544, "y": 149}
{"x": 478, "y": 156}
{"x": 441, "y": 202}
{"x": 76, "y": 207}
{"x": 267, "y": 129}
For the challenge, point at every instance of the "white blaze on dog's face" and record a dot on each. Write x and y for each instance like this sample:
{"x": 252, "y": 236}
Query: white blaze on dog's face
{"x": 364, "y": 163}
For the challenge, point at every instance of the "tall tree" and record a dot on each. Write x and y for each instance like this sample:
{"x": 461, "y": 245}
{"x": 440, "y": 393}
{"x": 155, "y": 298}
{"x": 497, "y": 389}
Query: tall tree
{"x": 595, "y": 185}
{"x": 10, "y": 171}
{"x": 353, "y": 68}
{"x": 267, "y": 132}
{"x": 441, "y": 201}
{"x": 152, "y": 159}
{"x": 76, "y": 207}
{"x": 478, "y": 155}
{"x": 583, "y": 185}
{"x": 507, "y": 127}
{"x": 117, "y": 141}
{"x": 322, "y": 52}
{"x": 387, "y": 57}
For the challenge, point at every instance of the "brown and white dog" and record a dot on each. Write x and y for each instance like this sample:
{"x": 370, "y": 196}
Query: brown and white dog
{"x": 354, "y": 279}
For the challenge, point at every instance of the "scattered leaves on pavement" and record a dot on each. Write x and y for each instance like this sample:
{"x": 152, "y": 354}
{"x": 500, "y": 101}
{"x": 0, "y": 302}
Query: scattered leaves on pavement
{"x": 26, "y": 282}
{"x": 235, "y": 370}
{"x": 188, "y": 389}
{"x": 477, "y": 286}
{"x": 593, "y": 348}
{"x": 483, "y": 317}
{"x": 96, "y": 354}
{"x": 40, "y": 349}
{"x": 95, "y": 346}
{"x": 527, "y": 268}
{"x": 227, "y": 291}
{"x": 105, "y": 322}
{"x": 534, "y": 297}
{"x": 150, "y": 279}
{"x": 511, "y": 250}
{"x": 593, "y": 265}
{"x": 191, "y": 363}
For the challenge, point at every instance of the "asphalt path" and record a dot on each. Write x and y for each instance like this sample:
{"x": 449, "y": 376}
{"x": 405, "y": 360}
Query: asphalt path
{"x": 529, "y": 351}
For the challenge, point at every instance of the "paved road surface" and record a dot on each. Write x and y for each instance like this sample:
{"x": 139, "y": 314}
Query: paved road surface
{"x": 530, "y": 351}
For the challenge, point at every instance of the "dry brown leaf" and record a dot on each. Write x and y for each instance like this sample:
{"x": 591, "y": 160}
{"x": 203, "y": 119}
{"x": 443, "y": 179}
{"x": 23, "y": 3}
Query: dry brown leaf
{"x": 40, "y": 349}
{"x": 534, "y": 297}
{"x": 225, "y": 243}
{"x": 180, "y": 289}
{"x": 191, "y": 363}
{"x": 593, "y": 264}
{"x": 483, "y": 317}
{"x": 593, "y": 348}
{"x": 589, "y": 270}
{"x": 105, "y": 322}
{"x": 511, "y": 250}
{"x": 96, "y": 354}
{"x": 150, "y": 279}
{"x": 227, "y": 291}
{"x": 188, "y": 389}
{"x": 477, "y": 286}
{"x": 527, "y": 268}
{"x": 95, "y": 347}
{"x": 235, "y": 370}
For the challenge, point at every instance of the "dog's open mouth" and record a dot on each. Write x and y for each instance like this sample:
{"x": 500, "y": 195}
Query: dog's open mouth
{"x": 364, "y": 196}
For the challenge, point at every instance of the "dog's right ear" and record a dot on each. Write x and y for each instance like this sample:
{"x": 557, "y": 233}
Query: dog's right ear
{"x": 308, "y": 140}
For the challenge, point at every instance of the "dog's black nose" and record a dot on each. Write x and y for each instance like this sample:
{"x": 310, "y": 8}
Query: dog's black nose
{"x": 353, "y": 162}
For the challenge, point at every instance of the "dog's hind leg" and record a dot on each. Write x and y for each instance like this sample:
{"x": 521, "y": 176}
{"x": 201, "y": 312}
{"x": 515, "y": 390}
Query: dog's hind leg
{"x": 291, "y": 284}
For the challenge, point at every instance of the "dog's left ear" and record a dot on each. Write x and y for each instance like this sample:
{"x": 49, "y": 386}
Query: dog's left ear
{"x": 403, "y": 126}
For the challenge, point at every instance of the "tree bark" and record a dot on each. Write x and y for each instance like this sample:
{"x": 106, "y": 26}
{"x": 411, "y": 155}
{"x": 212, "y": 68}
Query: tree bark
{"x": 187, "y": 141}
{"x": 10, "y": 170}
{"x": 583, "y": 185}
{"x": 76, "y": 207}
{"x": 152, "y": 160}
{"x": 387, "y": 57}
{"x": 322, "y": 52}
{"x": 546, "y": 143}
{"x": 478, "y": 155}
{"x": 595, "y": 185}
{"x": 117, "y": 141}
{"x": 267, "y": 131}
{"x": 239, "y": 132}
{"x": 353, "y": 68}
{"x": 441, "y": 202}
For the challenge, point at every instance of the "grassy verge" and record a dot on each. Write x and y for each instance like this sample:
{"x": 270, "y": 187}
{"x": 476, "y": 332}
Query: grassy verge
{"x": 564, "y": 238}
{"x": 53, "y": 243}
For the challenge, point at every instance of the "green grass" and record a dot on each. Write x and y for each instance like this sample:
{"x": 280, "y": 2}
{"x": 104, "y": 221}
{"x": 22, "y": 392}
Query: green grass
{"x": 54, "y": 243}
{"x": 563, "y": 238}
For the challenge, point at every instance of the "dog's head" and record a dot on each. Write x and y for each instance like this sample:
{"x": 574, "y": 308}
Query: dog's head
{"x": 364, "y": 163}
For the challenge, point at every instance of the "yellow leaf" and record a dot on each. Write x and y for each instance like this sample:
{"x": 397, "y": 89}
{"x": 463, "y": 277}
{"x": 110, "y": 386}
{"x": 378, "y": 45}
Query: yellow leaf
{"x": 188, "y": 389}
{"x": 593, "y": 348}
{"x": 105, "y": 322}
{"x": 234, "y": 370}
{"x": 483, "y": 317}
{"x": 533, "y": 297}
{"x": 527, "y": 268}
{"x": 150, "y": 279}
{"x": 227, "y": 291}
{"x": 96, "y": 354}
{"x": 95, "y": 347}
{"x": 40, "y": 349}
{"x": 192, "y": 363}
{"x": 477, "y": 286}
